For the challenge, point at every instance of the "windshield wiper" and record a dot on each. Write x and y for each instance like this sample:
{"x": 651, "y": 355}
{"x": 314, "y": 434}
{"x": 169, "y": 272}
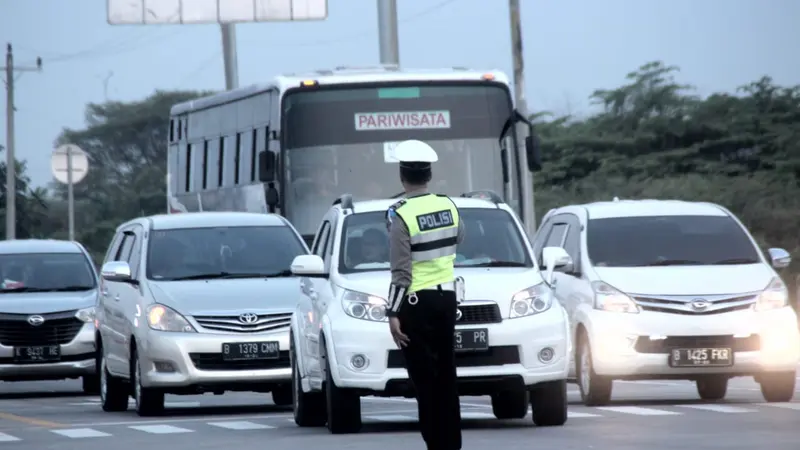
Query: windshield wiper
{"x": 281, "y": 274}
{"x": 674, "y": 262}
{"x": 231, "y": 275}
{"x": 37, "y": 289}
{"x": 736, "y": 261}
{"x": 497, "y": 264}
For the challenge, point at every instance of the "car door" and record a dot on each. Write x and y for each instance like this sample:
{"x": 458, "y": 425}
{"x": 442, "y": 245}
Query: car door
{"x": 132, "y": 305}
{"x": 311, "y": 321}
{"x": 107, "y": 309}
{"x": 115, "y": 351}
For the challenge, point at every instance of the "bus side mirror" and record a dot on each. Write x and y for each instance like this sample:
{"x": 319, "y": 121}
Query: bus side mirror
{"x": 533, "y": 152}
{"x": 266, "y": 166}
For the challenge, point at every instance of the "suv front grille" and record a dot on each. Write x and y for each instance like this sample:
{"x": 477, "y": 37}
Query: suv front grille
{"x": 57, "y": 329}
{"x": 482, "y": 313}
{"x": 682, "y": 304}
{"x": 214, "y": 361}
{"x": 496, "y": 356}
{"x": 744, "y": 344}
{"x": 232, "y": 324}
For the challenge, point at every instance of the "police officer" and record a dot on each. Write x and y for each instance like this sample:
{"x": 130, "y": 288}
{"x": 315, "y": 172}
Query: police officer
{"x": 424, "y": 229}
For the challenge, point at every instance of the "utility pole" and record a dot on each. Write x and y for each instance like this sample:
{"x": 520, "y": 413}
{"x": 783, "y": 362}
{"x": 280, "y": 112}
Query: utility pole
{"x": 527, "y": 202}
{"x": 387, "y": 32}
{"x": 11, "y": 167}
{"x": 229, "y": 56}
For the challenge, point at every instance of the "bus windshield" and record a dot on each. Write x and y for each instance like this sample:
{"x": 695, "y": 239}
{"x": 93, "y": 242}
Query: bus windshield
{"x": 340, "y": 140}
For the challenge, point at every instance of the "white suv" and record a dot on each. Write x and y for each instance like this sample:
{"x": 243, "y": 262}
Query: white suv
{"x": 671, "y": 290}
{"x": 512, "y": 339}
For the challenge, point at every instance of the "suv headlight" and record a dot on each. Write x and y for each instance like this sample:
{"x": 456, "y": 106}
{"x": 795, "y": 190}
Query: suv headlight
{"x": 774, "y": 296}
{"x": 364, "y": 306}
{"x": 86, "y": 314}
{"x": 164, "y": 318}
{"x": 611, "y": 299}
{"x": 530, "y": 301}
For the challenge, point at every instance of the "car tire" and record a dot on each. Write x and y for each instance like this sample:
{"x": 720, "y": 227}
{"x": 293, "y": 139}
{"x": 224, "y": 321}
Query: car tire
{"x": 712, "y": 387}
{"x": 114, "y": 392}
{"x": 778, "y": 386}
{"x": 549, "y": 403}
{"x": 343, "y": 406}
{"x": 511, "y": 404}
{"x": 308, "y": 407}
{"x": 149, "y": 401}
{"x": 282, "y": 395}
{"x": 595, "y": 389}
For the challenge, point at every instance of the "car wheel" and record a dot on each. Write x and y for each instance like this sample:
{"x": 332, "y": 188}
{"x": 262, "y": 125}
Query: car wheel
{"x": 282, "y": 395}
{"x": 343, "y": 406}
{"x": 549, "y": 403}
{"x": 309, "y": 408}
{"x": 113, "y": 391}
{"x": 778, "y": 386}
{"x": 149, "y": 401}
{"x": 712, "y": 387}
{"x": 510, "y": 404}
{"x": 595, "y": 390}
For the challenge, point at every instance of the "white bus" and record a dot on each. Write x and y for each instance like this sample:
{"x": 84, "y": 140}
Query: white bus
{"x": 297, "y": 144}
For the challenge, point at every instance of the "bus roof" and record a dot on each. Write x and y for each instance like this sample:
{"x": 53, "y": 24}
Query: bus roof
{"x": 340, "y": 75}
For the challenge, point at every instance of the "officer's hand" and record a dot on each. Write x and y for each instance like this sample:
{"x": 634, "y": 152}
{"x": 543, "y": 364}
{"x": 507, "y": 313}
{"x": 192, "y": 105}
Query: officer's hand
{"x": 397, "y": 334}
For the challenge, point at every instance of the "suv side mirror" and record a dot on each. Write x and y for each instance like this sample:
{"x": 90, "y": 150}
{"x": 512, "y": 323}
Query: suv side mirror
{"x": 533, "y": 152}
{"x": 118, "y": 271}
{"x": 308, "y": 266}
{"x": 266, "y": 166}
{"x": 554, "y": 258}
{"x": 779, "y": 258}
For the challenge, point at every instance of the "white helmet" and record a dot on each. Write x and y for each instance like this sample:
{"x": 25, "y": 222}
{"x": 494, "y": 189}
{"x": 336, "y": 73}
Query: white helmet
{"x": 414, "y": 151}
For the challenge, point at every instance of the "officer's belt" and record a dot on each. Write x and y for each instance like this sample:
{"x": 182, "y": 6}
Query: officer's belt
{"x": 451, "y": 286}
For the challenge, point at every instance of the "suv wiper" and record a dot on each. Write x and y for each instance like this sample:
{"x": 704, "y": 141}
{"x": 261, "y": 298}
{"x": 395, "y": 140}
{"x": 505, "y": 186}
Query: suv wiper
{"x": 498, "y": 264}
{"x": 281, "y": 274}
{"x": 674, "y": 262}
{"x": 736, "y": 261}
{"x": 231, "y": 275}
{"x": 38, "y": 289}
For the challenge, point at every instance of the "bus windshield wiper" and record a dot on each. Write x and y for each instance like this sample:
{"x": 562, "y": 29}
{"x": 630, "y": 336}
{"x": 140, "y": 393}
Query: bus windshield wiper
{"x": 733, "y": 261}
{"x": 674, "y": 262}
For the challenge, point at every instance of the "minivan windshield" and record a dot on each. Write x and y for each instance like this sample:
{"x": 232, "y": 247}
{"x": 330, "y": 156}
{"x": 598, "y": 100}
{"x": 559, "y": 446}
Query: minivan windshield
{"x": 222, "y": 252}
{"x": 492, "y": 239}
{"x": 46, "y": 272}
{"x": 668, "y": 241}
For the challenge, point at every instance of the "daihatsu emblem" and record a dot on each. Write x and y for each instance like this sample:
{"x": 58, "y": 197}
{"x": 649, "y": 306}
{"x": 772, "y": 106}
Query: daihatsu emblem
{"x": 699, "y": 304}
{"x": 36, "y": 320}
{"x": 458, "y": 314}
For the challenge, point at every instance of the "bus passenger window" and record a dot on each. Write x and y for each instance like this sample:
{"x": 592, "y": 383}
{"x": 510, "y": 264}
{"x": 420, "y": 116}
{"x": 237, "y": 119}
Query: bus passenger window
{"x": 221, "y": 161}
{"x": 237, "y": 156}
{"x": 254, "y": 156}
{"x": 205, "y": 164}
{"x": 188, "y": 178}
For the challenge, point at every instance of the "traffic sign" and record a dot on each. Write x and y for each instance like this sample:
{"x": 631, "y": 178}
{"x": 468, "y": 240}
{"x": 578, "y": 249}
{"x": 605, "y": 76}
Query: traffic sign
{"x": 68, "y": 157}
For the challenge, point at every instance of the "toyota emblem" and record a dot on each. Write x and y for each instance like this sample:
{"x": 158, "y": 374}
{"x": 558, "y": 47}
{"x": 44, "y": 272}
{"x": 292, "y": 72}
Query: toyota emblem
{"x": 36, "y": 320}
{"x": 699, "y": 304}
{"x": 458, "y": 314}
{"x": 248, "y": 318}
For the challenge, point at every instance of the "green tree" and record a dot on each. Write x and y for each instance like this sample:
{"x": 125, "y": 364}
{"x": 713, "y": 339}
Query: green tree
{"x": 31, "y": 205}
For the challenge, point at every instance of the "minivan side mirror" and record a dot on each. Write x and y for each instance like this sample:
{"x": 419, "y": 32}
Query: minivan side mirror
{"x": 118, "y": 271}
{"x": 308, "y": 266}
{"x": 554, "y": 258}
{"x": 779, "y": 258}
{"x": 267, "y": 162}
{"x": 533, "y": 152}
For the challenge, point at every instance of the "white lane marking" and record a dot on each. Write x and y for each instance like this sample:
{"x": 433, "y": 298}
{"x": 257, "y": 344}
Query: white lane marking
{"x": 792, "y": 406}
{"x": 168, "y": 420}
{"x": 240, "y": 425}
{"x": 411, "y": 400}
{"x": 476, "y": 415}
{"x": 580, "y": 415}
{"x": 132, "y": 402}
{"x": 635, "y": 410}
{"x": 391, "y": 418}
{"x": 718, "y": 408}
{"x": 7, "y": 438}
{"x": 161, "y": 429}
{"x": 77, "y": 433}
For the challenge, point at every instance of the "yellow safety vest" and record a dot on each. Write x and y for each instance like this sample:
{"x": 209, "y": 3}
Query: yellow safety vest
{"x": 432, "y": 222}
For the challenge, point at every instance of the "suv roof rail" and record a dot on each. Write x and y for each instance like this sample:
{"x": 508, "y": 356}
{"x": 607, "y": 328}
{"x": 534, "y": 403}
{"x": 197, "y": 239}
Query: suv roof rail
{"x": 484, "y": 195}
{"x": 346, "y": 201}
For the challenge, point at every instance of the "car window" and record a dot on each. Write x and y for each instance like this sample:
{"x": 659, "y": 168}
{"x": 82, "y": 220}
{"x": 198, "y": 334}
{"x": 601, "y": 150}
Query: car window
{"x": 491, "y": 236}
{"x": 668, "y": 240}
{"x": 556, "y": 237}
{"x": 46, "y": 271}
{"x": 221, "y": 251}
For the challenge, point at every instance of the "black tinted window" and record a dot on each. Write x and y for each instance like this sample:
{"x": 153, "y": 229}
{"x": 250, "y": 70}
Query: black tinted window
{"x": 46, "y": 271}
{"x": 491, "y": 237}
{"x": 193, "y": 252}
{"x": 668, "y": 240}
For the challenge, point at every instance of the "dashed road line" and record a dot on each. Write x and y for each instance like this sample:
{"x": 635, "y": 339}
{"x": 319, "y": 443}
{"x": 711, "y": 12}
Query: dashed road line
{"x": 635, "y": 410}
{"x": 161, "y": 429}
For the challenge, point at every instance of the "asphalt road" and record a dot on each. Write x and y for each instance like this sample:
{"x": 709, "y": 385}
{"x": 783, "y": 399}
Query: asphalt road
{"x": 643, "y": 415}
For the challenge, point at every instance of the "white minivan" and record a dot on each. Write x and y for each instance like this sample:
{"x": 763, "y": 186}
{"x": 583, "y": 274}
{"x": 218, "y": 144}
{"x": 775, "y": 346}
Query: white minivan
{"x": 671, "y": 290}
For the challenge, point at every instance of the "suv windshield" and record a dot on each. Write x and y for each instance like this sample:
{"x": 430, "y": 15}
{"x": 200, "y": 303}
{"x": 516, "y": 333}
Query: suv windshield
{"x": 668, "y": 241}
{"x": 492, "y": 239}
{"x": 45, "y": 272}
{"x": 222, "y": 252}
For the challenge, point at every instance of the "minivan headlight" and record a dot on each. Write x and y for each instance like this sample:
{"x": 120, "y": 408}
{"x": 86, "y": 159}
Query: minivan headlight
{"x": 608, "y": 298}
{"x": 773, "y": 297}
{"x": 364, "y": 306}
{"x": 164, "y": 318}
{"x": 86, "y": 315}
{"x": 533, "y": 300}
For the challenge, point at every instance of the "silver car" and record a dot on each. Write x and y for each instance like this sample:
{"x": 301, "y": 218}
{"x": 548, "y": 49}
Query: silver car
{"x": 48, "y": 295}
{"x": 197, "y": 303}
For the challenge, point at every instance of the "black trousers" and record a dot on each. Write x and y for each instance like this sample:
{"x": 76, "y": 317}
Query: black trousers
{"x": 430, "y": 361}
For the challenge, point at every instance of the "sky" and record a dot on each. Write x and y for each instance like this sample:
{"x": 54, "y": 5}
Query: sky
{"x": 571, "y": 48}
